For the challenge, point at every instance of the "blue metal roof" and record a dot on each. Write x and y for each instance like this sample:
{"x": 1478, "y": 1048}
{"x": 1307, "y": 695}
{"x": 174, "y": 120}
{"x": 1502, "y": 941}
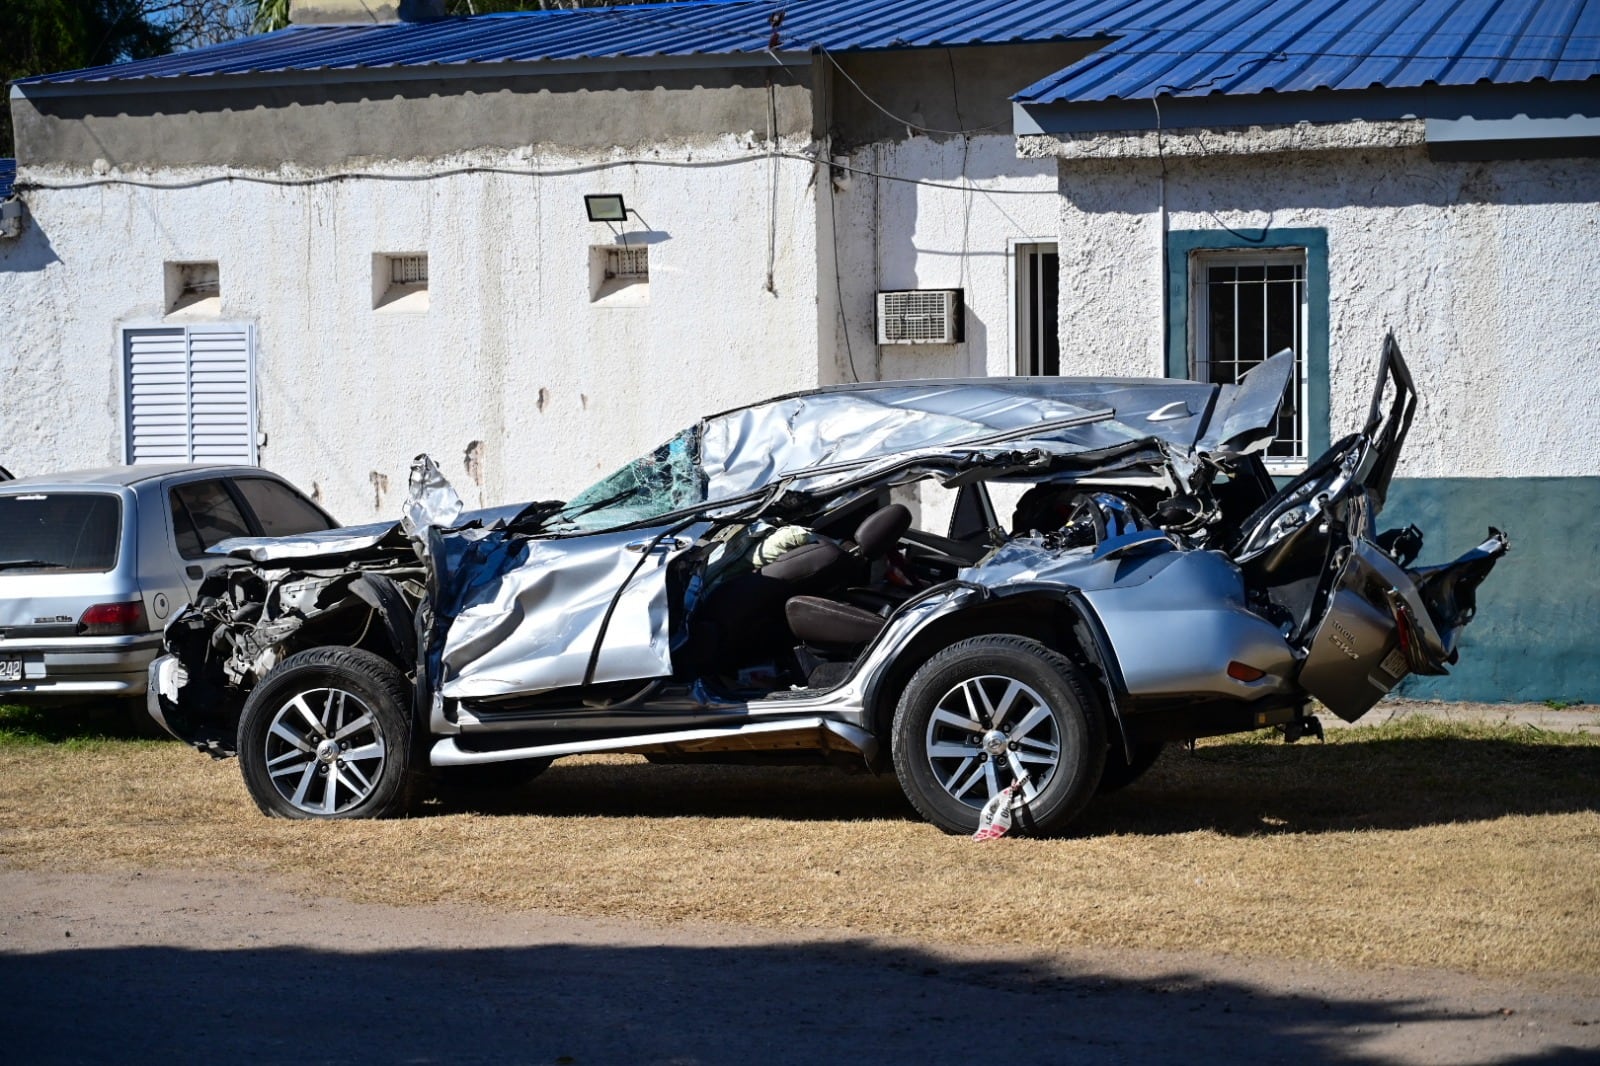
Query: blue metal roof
{"x": 8, "y": 176}
{"x": 1240, "y": 47}
{"x": 689, "y": 28}
{"x": 1183, "y": 47}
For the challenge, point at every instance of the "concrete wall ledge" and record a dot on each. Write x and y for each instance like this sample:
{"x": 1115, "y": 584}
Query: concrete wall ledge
{"x": 1233, "y": 140}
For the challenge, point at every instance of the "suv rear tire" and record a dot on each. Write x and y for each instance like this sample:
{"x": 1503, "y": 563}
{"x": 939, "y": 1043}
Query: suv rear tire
{"x": 984, "y": 711}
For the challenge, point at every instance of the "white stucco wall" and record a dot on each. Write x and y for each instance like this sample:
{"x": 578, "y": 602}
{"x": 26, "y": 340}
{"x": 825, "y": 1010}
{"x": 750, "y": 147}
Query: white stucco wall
{"x": 954, "y": 225}
{"x": 511, "y": 353}
{"x": 1483, "y": 271}
{"x": 954, "y": 233}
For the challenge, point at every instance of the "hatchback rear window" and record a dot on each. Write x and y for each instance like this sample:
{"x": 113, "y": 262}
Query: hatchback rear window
{"x": 59, "y": 531}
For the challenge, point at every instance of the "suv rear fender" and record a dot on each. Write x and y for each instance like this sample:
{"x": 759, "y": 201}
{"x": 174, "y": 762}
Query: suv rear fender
{"x": 1054, "y": 617}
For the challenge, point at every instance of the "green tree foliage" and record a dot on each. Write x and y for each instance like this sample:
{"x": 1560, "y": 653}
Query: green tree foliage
{"x": 41, "y": 36}
{"x": 270, "y": 15}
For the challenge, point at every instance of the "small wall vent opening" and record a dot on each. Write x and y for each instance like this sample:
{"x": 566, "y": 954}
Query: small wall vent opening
{"x": 193, "y": 288}
{"x": 619, "y": 274}
{"x": 921, "y": 316}
{"x": 400, "y": 281}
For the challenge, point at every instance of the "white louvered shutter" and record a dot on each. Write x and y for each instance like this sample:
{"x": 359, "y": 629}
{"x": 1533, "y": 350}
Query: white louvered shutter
{"x": 189, "y": 395}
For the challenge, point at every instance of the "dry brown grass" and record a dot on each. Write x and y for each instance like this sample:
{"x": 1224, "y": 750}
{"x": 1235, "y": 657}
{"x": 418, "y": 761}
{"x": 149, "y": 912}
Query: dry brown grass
{"x": 1472, "y": 848}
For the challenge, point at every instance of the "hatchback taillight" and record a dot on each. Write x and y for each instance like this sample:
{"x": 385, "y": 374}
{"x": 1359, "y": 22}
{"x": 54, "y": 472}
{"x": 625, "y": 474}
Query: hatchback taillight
{"x": 112, "y": 619}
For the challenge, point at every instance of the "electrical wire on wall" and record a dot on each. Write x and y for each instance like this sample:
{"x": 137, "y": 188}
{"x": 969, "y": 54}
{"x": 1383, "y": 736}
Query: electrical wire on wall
{"x": 527, "y": 172}
{"x": 879, "y": 173}
{"x": 772, "y": 186}
{"x": 838, "y": 283}
{"x": 833, "y": 200}
{"x": 966, "y": 204}
{"x": 907, "y": 123}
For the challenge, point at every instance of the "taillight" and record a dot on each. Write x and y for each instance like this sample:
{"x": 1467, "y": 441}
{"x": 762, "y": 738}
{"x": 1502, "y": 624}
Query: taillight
{"x": 1244, "y": 672}
{"x": 112, "y": 619}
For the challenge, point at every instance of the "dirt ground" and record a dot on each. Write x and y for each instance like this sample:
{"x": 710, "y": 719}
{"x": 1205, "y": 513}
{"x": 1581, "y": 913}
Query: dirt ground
{"x": 147, "y": 915}
{"x": 163, "y": 966}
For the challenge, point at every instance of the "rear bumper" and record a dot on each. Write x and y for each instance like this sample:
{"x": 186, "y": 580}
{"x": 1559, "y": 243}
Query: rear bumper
{"x": 80, "y": 666}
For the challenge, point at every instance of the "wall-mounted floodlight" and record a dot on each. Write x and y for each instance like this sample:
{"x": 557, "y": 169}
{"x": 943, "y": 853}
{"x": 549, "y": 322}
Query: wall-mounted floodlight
{"x": 606, "y": 207}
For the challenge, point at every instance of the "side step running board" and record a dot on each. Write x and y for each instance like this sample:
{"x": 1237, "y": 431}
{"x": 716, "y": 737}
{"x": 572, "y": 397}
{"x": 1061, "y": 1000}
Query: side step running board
{"x": 810, "y": 734}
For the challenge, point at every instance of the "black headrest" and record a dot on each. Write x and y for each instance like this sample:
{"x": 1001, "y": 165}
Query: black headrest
{"x": 882, "y": 530}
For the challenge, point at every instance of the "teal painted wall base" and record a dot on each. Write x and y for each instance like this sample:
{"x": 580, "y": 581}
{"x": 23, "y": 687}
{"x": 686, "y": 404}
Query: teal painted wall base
{"x": 1537, "y": 633}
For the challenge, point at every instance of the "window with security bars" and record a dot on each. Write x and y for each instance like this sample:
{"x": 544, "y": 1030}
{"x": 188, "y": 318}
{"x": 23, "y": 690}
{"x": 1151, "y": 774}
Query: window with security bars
{"x": 408, "y": 270}
{"x": 1248, "y": 306}
{"x": 628, "y": 262}
{"x": 193, "y": 287}
{"x": 400, "y": 281}
{"x": 619, "y": 275}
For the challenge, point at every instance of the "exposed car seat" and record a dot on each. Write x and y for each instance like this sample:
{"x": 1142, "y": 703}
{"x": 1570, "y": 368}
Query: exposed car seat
{"x": 745, "y": 616}
{"x": 825, "y": 623}
{"x": 829, "y": 624}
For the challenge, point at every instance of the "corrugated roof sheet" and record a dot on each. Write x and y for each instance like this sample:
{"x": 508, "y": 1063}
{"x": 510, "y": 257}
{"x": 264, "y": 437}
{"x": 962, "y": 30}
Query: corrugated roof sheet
{"x": 1185, "y": 47}
{"x": 1239, "y": 47}
{"x": 690, "y": 28}
{"x": 8, "y": 176}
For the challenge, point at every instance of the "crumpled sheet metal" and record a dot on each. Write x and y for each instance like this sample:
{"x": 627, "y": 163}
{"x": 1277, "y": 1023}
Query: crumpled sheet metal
{"x": 522, "y": 615}
{"x": 328, "y": 542}
{"x": 1246, "y": 413}
{"x": 743, "y": 450}
{"x": 430, "y": 500}
{"x": 1024, "y": 560}
{"x": 536, "y": 622}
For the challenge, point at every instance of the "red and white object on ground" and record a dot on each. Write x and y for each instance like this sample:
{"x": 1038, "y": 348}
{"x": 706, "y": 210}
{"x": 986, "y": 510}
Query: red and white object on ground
{"x": 995, "y": 820}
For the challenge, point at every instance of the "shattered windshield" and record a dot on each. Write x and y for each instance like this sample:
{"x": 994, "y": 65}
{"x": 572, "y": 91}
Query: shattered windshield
{"x": 668, "y": 479}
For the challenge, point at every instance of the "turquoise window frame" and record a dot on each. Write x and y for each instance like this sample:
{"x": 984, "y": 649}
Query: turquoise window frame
{"x": 1181, "y": 244}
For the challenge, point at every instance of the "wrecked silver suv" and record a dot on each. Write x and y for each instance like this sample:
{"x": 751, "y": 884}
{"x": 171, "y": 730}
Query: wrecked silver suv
{"x": 749, "y": 591}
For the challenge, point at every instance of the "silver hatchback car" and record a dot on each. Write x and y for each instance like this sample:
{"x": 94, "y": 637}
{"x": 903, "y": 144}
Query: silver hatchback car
{"x": 93, "y": 563}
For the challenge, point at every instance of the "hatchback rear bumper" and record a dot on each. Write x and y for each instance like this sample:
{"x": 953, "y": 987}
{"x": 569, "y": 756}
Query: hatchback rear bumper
{"x": 80, "y": 666}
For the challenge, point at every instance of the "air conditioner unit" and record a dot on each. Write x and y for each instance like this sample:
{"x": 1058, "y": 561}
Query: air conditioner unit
{"x": 921, "y": 316}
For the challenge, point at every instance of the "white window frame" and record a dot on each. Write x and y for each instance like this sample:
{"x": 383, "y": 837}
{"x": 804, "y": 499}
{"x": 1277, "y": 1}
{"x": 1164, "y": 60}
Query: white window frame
{"x": 189, "y": 331}
{"x": 1024, "y": 315}
{"x": 1200, "y": 357}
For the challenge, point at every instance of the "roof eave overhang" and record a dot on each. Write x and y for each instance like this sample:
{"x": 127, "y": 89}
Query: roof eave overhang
{"x": 398, "y": 73}
{"x": 1468, "y": 122}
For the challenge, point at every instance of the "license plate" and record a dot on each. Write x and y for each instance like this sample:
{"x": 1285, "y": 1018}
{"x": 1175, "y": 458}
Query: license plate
{"x": 10, "y": 669}
{"x": 1394, "y": 664}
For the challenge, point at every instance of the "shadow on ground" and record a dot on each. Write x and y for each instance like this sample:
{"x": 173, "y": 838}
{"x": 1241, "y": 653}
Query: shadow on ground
{"x": 83, "y": 720}
{"x": 1243, "y": 788}
{"x": 578, "y": 1003}
{"x": 1400, "y": 777}
{"x": 1381, "y": 783}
